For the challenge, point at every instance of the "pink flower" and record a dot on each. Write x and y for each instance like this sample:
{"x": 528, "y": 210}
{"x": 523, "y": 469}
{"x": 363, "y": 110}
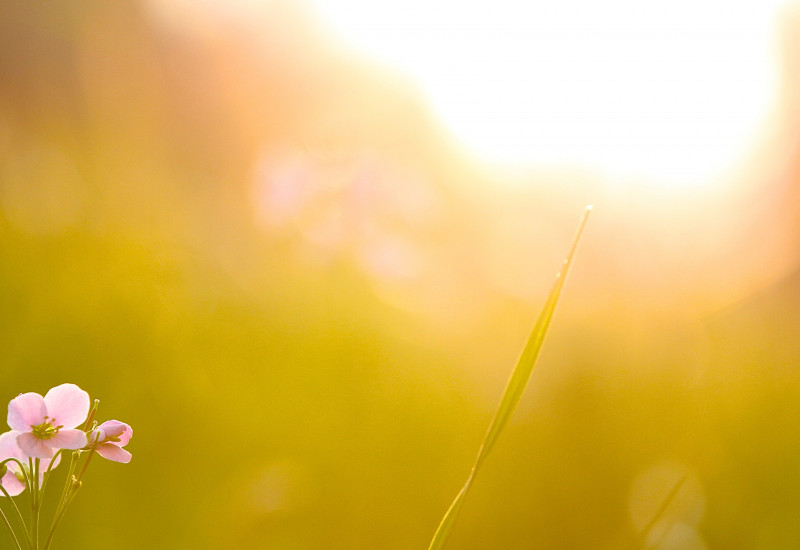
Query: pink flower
{"x": 45, "y": 424}
{"x": 13, "y": 481}
{"x": 109, "y": 438}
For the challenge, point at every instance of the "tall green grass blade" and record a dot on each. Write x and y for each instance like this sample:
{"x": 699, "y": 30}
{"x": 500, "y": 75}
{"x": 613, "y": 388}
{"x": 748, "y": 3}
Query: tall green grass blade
{"x": 513, "y": 392}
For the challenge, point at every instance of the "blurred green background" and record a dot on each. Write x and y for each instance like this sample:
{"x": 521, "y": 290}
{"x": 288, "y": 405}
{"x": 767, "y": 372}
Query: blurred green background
{"x": 264, "y": 254}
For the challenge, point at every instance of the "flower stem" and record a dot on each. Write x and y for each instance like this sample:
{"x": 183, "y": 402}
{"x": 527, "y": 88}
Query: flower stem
{"x": 10, "y": 529}
{"x": 63, "y": 500}
{"x": 62, "y": 509}
{"x": 16, "y": 508}
{"x": 90, "y": 417}
{"x": 14, "y": 502}
{"x": 56, "y": 519}
{"x": 86, "y": 464}
{"x": 71, "y": 486}
{"x": 19, "y": 514}
{"x": 50, "y": 467}
{"x": 67, "y": 482}
{"x": 35, "y": 501}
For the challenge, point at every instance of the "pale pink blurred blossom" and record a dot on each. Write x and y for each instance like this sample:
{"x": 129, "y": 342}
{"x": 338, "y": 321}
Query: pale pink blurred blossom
{"x": 13, "y": 481}
{"x": 371, "y": 208}
{"x": 42, "y": 425}
{"x": 109, "y": 438}
{"x": 285, "y": 189}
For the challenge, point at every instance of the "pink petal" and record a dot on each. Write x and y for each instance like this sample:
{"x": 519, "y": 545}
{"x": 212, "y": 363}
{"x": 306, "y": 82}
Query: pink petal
{"x": 26, "y": 410}
{"x": 67, "y": 405}
{"x": 33, "y": 446}
{"x": 115, "y": 428}
{"x": 46, "y": 464}
{"x": 112, "y": 452}
{"x": 94, "y": 436}
{"x": 67, "y": 439}
{"x": 9, "y": 447}
{"x": 11, "y": 484}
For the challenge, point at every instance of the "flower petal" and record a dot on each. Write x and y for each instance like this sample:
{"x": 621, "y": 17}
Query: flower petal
{"x": 67, "y": 405}
{"x": 112, "y": 452}
{"x": 46, "y": 463}
{"x": 116, "y": 429}
{"x": 67, "y": 439}
{"x": 9, "y": 447}
{"x": 34, "y": 447}
{"x": 94, "y": 436}
{"x": 11, "y": 484}
{"x": 26, "y": 410}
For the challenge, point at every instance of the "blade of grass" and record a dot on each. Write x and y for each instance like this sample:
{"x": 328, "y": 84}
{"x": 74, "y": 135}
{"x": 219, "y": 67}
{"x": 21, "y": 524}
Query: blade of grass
{"x": 641, "y": 541}
{"x": 513, "y": 392}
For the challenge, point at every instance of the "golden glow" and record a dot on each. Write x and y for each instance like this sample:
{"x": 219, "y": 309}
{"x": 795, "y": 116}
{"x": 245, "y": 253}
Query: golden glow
{"x": 673, "y": 93}
{"x": 215, "y": 207}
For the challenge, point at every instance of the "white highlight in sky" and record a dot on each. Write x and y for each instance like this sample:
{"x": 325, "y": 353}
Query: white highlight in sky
{"x": 675, "y": 92}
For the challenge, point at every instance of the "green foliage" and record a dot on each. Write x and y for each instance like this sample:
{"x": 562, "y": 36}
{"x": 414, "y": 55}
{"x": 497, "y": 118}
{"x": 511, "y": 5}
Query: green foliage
{"x": 513, "y": 392}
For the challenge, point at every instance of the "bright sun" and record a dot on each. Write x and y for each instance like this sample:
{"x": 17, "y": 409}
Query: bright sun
{"x": 674, "y": 92}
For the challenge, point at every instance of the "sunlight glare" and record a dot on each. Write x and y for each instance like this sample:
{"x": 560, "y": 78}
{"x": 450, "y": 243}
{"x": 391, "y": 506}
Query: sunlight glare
{"x": 674, "y": 92}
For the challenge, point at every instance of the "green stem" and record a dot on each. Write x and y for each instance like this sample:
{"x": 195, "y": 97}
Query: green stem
{"x": 16, "y": 508}
{"x": 22, "y": 467}
{"x": 14, "y": 502}
{"x": 56, "y": 519}
{"x": 62, "y": 509}
{"x": 60, "y": 514}
{"x": 34, "y": 463}
{"x": 70, "y": 489}
{"x": 86, "y": 464}
{"x": 10, "y": 529}
{"x": 67, "y": 482}
{"x": 91, "y": 414}
{"x": 50, "y": 467}
{"x": 19, "y": 514}
{"x": 63, "y": 499}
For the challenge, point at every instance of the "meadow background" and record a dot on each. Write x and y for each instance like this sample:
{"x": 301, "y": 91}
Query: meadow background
{"x": 264, "y": 252}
